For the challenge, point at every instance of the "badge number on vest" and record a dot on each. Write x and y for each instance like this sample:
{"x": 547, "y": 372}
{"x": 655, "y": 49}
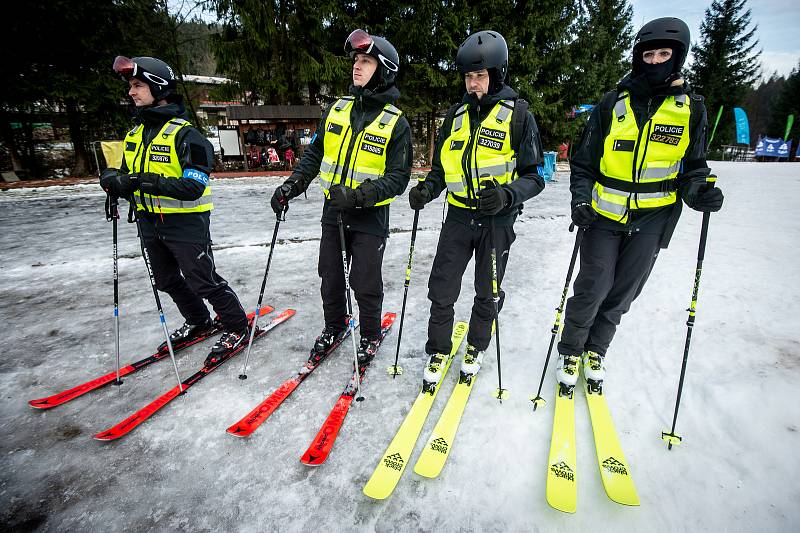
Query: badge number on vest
{"x": 667, "y": 134}
{"x": 159, "y": 158}
{"x": 372, "y": 148}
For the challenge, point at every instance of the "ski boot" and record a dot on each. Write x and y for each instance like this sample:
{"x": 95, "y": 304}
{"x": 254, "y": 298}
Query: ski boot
{"x": 367, "y": 350}
{"x": 186, "y": 333}
{"x": 471, "y": 364}
{"x": 227, "y": 343}
{"x": 594, "y": 371}
{"x": 567, "y": 373}
{"x": 324, "y": 342}
{"x": 433, "y": 372}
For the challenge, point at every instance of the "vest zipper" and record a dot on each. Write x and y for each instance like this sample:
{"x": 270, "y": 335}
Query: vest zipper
{"x": 465, "y": 159}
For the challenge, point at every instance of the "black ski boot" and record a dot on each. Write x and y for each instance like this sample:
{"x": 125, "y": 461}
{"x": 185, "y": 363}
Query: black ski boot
{"x": 367, "y": 350}
{"x": 227, "y": 343}
{"x": 187, "y": 333}
{"x": 324, "y": 342}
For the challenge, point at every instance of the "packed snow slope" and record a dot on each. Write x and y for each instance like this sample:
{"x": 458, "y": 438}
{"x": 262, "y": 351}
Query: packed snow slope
{"x": 737, "y": 469}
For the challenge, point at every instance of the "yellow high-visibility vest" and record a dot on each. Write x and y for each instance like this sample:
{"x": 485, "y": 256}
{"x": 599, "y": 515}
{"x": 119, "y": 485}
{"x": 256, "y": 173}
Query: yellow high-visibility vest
{"x": 161, "y": 157}
{"x": 469, "y": 157}
{"x": 364, "y": 154}
{"x": 639, "y": 165}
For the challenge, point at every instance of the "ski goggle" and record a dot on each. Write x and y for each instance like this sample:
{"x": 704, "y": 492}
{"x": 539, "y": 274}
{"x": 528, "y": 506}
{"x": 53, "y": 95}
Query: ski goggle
{"x": 128, "y": 68}
{"x": 125, "y": 67}
{"x": 358, "y": 41}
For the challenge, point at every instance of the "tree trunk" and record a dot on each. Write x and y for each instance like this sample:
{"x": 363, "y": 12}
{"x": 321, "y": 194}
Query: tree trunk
{"x": 81, "y": 166}
{"x": 11, "y": 142}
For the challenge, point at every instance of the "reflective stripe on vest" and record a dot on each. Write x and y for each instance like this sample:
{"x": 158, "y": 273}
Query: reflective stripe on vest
{"x": 161, "y": 157}
{"x": 643, "y": 157}
{"x": 366, "y": 152}
{"x": 485, "y": 153}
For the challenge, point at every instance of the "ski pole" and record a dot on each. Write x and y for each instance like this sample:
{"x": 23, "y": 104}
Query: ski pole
{"x": 112, "y": 215}
{"x": 278, "y": 221}
{"x": 396, "y": 370}
{"x": 500, "y": 393}
{"x": 350, "y": 315}
{"x": 538, "y": 400}
{"x": 671, "y": 437}
{"x": 152, "y": 278}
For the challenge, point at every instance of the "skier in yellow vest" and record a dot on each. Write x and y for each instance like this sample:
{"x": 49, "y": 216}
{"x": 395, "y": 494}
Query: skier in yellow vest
{"x": 362, "y": 153}
{"x": 488, "y": 157}
{"x": 641, "y": 155}
{"x": 165, "y": 172}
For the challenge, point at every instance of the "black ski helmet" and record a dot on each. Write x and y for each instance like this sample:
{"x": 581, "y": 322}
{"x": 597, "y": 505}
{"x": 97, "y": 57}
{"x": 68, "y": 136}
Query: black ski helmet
{"x": 484, "y": 50}
{"x": 150, "y": 70}
{"x": 361, "y": 42}
{"x": 666, "y": 32}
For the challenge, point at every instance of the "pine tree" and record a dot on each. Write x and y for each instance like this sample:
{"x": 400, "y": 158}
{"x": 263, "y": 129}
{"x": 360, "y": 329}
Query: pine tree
{"x": 725, "y": 62}
{"x": 787, "y": 103}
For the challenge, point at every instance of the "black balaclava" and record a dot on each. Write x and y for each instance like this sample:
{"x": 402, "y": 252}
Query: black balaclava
{"x": 662, "y": 74}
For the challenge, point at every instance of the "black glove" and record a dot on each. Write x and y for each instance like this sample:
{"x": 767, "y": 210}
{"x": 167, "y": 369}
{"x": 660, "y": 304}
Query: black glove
{"x": 418, "y": 196}
{"x": 492, "y": 199}
{"x": 149, "y": 183}
{"x": 119, "y": 185}
{"x": 583, "y": 214}
{"x": 281, "y": 196}
{"x": 342, "y": 197}
{"x": 702, "y": 196}
{"x": 366, "y": 194}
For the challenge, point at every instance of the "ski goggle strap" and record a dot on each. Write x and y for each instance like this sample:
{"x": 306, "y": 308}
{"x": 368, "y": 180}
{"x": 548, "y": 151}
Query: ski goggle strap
{"x": 358, "y": 41}
{"x": 124, "y": 67}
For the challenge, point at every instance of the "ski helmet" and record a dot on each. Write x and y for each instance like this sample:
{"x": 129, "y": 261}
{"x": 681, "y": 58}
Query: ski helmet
{"x": 150, "y": 70}
{"x": 666, "y": 32}
{"x": 484, "y": 50}
{"x": 361, "y": 42}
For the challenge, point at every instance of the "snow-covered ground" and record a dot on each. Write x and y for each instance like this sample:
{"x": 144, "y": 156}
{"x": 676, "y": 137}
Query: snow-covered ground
{"x": 737, "y": 469}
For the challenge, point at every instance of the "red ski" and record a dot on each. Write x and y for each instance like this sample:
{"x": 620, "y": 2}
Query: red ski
{"x": 322, "y": 444}
{"x": 128, "y": 425}
{"x": 247, "y": 425}
{"x": 70, "y": 394}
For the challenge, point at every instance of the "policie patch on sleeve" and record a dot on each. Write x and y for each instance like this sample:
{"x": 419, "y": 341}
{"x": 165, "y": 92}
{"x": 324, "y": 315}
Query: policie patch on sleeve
{"x": 624, "y": 145}
{"x": 130, "y": 146}
{"x": 334, "y": 128}
{"x": 456, "y": 145}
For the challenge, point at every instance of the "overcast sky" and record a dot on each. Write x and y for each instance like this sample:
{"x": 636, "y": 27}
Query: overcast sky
{"x": 777, "y": 21}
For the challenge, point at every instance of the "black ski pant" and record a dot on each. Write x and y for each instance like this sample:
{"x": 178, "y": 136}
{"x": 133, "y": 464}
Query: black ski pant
{"x": 186, "y": 272}
{"x": 365, "y": 255}
{"x": 614, "y": 268}
{"x": 457, "y": 244}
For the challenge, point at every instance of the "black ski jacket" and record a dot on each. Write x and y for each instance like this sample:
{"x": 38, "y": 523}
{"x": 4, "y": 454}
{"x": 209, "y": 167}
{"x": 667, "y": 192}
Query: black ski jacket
{"x": 585, "y": 162}
{"x": 529, "y": 182}
{"x": 194, "y": 152}
{"x": 367, "y": 106}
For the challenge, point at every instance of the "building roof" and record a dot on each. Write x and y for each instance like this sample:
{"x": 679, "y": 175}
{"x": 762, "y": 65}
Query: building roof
{"x": 279, "y": 112}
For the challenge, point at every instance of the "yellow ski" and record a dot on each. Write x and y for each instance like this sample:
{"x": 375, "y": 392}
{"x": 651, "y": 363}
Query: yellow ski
{"x": 614, "y": 469}
{"x": 562, "y": 492}
{"x": 437, "y": 449}
{"x": 391, "y": 466}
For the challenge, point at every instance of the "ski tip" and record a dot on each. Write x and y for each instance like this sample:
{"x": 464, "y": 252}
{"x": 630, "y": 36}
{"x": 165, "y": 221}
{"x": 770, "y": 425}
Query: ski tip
{"x": 40, "y": 404}
{"x": 312, "y": 460}
{"x": 106, "y": 436}
{"x": 237, "y": 430}
{"x": 267, "y": 309}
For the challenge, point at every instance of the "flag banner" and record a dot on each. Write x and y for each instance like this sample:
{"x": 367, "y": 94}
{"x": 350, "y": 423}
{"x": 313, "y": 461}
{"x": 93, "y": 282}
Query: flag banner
{"x": 742, "y": 126}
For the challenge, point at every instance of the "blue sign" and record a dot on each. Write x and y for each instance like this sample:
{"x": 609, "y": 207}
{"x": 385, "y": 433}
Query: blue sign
{"x": 742, "y": 126}
{"x": 583, "y": 108}
{"x": 767, "y": 147}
